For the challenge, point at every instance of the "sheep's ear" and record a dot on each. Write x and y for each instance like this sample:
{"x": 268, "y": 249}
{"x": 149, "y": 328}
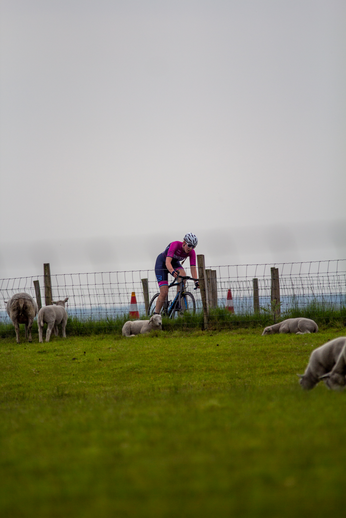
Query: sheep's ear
{"x": 325, "y": 376}
{"x": 300, "y": 375}
{"x": 66, "y": 299}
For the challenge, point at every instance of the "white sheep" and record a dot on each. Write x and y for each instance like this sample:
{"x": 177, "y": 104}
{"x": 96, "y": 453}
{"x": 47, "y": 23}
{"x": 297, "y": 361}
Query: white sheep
{"x": 136, "y": 327}
{"x": 322, "y": 361}
{"x": 53, "y": 316}
{"x": 336, "y": 378}
{"x": 22, "y": 309}
{"x": 298, "y": 325}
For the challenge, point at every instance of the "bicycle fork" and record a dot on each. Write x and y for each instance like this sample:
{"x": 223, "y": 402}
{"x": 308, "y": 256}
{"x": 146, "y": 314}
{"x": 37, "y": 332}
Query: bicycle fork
{"x": 180, "y": 303}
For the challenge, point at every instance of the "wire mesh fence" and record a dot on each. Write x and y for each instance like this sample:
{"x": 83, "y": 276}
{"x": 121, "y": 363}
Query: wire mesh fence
{"x": 101, "y": 296}
{"x": 300, "y": 284}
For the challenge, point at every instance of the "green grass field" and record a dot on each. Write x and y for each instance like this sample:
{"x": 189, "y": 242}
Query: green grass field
{"x": 175, "y": 424}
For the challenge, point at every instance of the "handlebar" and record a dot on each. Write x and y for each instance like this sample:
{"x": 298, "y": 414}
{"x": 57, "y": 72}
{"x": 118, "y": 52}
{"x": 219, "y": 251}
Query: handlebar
{"x": 184, "y": 277}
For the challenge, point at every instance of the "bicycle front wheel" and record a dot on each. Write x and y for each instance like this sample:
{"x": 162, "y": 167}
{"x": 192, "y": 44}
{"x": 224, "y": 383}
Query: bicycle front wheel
{"x": 188, "y": 305}
{"x": 152, "y": 306}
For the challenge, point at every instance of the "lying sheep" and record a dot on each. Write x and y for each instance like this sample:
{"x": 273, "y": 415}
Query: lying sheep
{"x": 22, "y": 309}
{"x": 298, "y": 325}
{"x": 336, "y": 379}
{"x": 136, "y": 327}
{"x": 322, "y": 361}
{"x": 53, "y": 316}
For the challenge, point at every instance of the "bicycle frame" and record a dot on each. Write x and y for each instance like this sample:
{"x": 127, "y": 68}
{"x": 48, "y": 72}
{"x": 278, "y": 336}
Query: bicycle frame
{"x": 175, "y": 305}
{"x": 183, "y": 300}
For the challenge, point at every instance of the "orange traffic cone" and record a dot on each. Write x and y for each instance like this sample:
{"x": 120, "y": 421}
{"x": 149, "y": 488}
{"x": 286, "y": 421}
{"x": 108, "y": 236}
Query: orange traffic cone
{"x": 229, "y": 303}
{"x": 134, "y": 313}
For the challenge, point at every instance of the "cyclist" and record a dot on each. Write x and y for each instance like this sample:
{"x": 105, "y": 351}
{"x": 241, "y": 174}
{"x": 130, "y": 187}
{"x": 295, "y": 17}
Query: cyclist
{"x": 169, "y": 262}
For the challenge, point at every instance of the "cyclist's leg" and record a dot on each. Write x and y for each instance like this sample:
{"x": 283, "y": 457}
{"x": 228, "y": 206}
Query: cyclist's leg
{"x": 181, "y": 272}
{"x": 161, "y": 273}
{"x": 161, "y": 298}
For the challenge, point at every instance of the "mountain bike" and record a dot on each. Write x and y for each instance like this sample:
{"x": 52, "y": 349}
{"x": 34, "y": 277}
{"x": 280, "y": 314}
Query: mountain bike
{"x": 182, "y": 302}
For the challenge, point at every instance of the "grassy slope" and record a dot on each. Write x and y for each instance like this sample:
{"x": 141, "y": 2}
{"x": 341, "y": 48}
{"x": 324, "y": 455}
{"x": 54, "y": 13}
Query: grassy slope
{"x": 201, "y": 424}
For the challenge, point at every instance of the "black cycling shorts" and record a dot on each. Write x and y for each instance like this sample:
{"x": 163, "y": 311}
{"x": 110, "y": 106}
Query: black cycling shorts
{"x": 161, "y": 271}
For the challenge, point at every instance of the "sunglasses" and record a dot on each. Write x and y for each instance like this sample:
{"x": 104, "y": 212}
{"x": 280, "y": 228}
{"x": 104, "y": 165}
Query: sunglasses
{"x": 190, "y": 246}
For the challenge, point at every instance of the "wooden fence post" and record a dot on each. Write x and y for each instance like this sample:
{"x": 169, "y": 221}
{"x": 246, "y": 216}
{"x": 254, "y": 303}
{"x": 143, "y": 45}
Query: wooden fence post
{"x": 256, "y": 305}
{"x": 38, "y": 294}
{"x": 275, "y": 292}
{"x": 146, "y": 294}
{"x": 203, "y": 285}
{"x": 47, "y": 285}
{"x": 212, "y": 288}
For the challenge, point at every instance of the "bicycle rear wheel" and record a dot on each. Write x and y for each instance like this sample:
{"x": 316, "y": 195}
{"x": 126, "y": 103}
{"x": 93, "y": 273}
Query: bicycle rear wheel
{"x": 152, "y": 305}
{"x": 188, "y": 305}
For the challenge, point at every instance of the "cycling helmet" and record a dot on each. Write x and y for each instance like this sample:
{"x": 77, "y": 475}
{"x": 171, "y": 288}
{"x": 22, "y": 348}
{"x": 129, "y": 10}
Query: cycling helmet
{"x": 191, "y": 239}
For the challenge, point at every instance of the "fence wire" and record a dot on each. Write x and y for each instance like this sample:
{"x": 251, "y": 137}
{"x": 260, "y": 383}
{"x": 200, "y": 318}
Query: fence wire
{"x": 100, "y": 296}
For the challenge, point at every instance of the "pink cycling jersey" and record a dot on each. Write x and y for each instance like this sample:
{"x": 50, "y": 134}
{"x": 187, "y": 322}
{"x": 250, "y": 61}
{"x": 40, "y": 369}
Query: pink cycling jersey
{"x": 175, "y": 250}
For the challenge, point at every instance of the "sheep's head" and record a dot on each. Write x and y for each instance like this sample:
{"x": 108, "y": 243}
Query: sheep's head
{"x": 156, "y": 322}
{"x": 61, "y": 302}
{"x": 267, "y": 331}
{"x": 306, "y": 382}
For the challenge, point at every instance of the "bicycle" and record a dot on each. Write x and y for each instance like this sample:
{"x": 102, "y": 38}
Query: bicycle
{"x": 182, "y": 302}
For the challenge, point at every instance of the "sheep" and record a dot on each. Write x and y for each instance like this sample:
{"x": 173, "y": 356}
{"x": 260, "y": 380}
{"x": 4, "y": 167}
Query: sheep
{"x": 298, "y": 325}
{"x": 336, "y": 378}
{"x": 322, "y": 361}
{"x": 53, "y": 316}
{"x": 22, "y": 309}
{"x": 136, "y": 327}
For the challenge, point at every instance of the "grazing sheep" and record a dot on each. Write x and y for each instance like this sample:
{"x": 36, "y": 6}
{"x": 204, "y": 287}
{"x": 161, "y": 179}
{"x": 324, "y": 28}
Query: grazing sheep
{"x": 298, "y": 325}
{"x": 136, "y": 327}
{"x": 22, "y": 309}
{"x": 322, "y": 361}
{"x": 336, "y": 378}
{"x": 53, "y": 316}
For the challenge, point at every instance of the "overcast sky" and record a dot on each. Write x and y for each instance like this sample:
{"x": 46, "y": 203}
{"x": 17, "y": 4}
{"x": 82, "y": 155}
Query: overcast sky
{"x": 125, "y": 124}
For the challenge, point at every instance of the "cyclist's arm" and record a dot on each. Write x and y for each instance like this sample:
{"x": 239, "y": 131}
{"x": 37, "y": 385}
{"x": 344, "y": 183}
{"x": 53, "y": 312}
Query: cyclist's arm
{"x": 194, "y": 272}
{"x": 193, "y": 264}
{"x": 169, "y": 264}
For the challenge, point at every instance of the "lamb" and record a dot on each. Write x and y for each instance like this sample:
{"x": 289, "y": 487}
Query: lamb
{"x": 22, "y": 309}
{"x": 336, "y": 379}
{"x": 298, "y": 325}
{"x": 322, "y": 360}
{"x": 53, "y": 316}
{"x": 136, "y": 327}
